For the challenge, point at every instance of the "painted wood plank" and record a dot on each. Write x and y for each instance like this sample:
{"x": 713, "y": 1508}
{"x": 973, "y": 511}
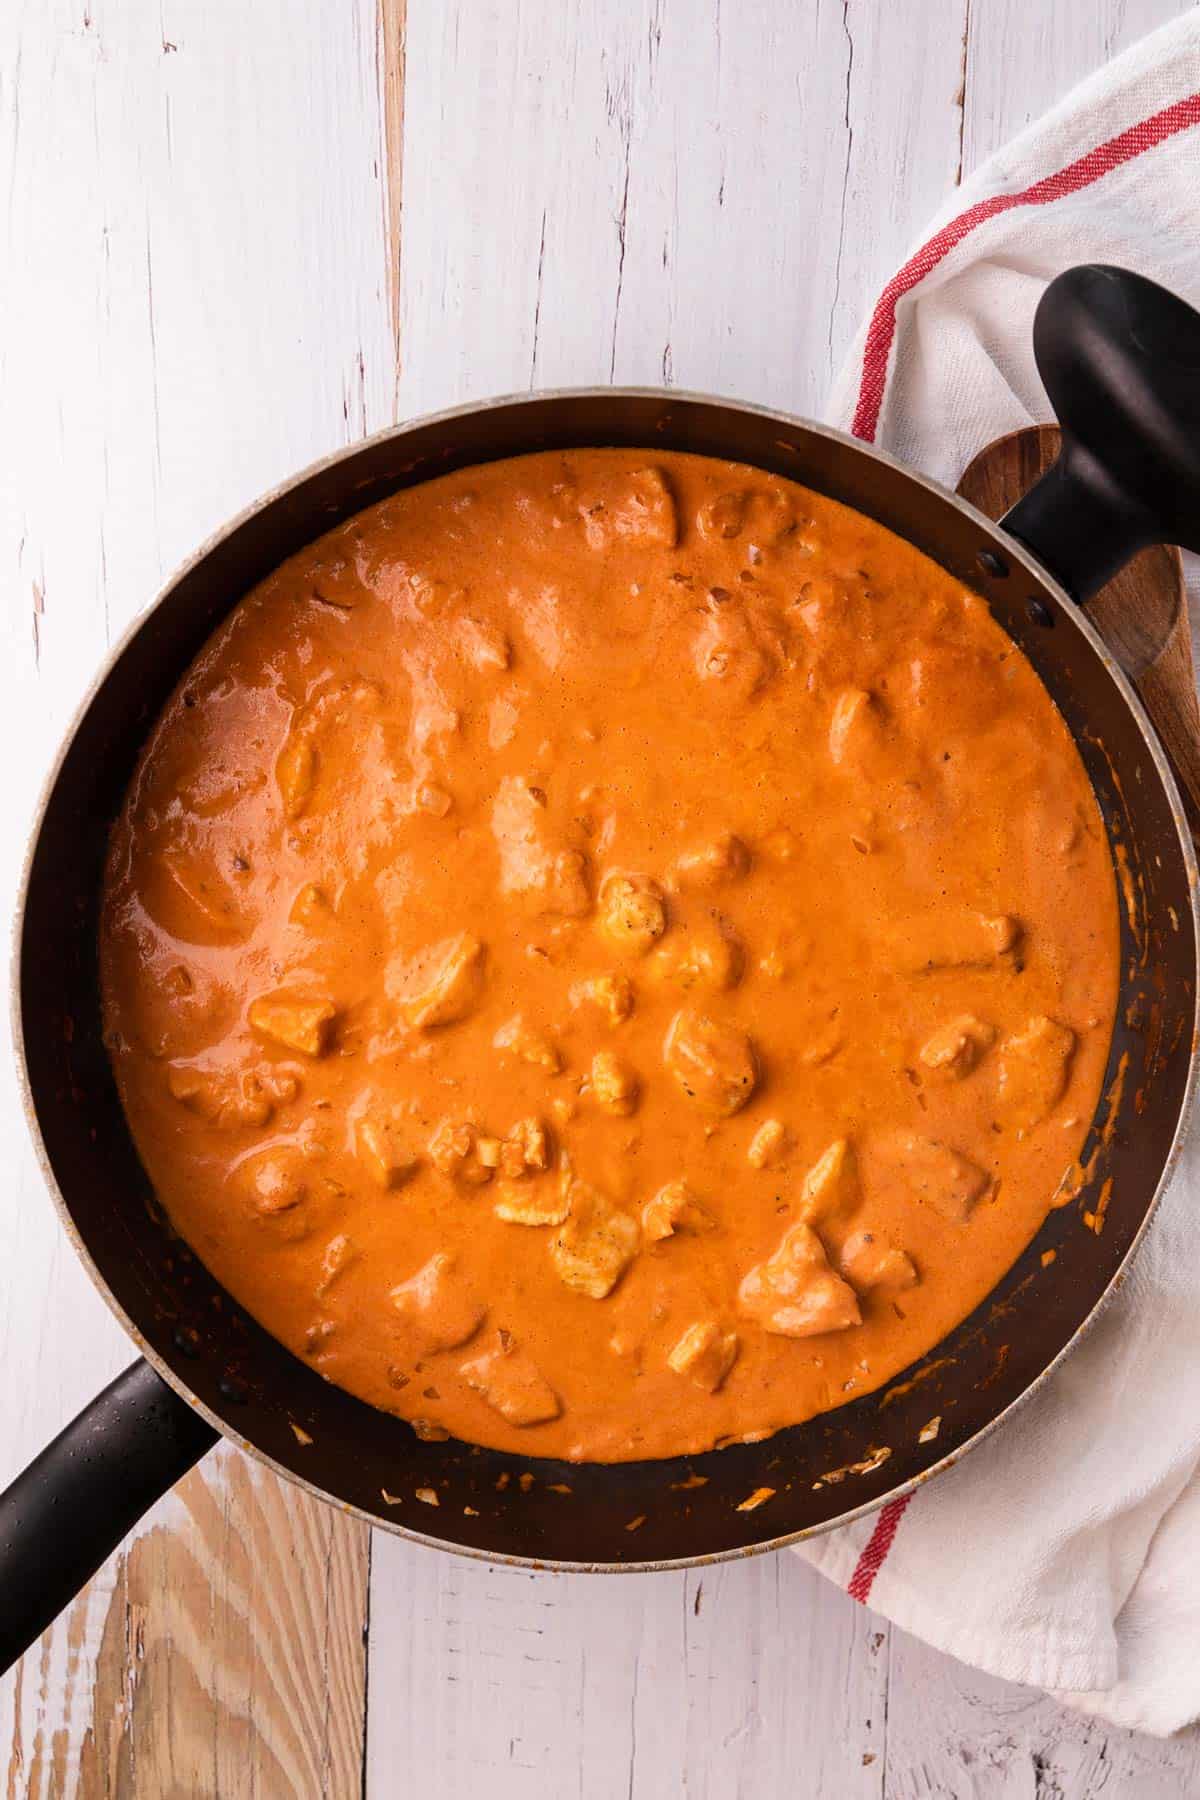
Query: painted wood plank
{"x": 749, "y": 1678}
{"x": 1021, "y": 60}
{"x": 194, "y": 304}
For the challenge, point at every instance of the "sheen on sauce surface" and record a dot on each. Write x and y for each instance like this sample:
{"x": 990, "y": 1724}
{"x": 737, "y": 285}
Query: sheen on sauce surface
{"x": 609, "y": 953}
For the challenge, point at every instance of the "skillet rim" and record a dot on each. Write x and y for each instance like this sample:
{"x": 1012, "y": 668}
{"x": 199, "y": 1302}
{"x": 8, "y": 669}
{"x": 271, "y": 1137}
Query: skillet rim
{"x": 1014, "y": 550}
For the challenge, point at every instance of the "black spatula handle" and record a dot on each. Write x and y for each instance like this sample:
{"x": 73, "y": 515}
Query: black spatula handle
{"x": 1120, "y": 360}
{"x": 75, "y": 1502}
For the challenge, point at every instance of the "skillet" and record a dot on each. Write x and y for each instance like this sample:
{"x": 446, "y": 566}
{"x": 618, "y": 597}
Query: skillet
{"x": 1120, "y": 359}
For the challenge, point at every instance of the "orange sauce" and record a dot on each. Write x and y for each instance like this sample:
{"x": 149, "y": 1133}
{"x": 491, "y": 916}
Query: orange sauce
{"x": 609, "y": 953}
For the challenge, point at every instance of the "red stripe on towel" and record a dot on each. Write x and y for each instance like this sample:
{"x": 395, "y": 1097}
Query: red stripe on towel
{"x": 1101, "y": 161}
{"x": 878, "y": 1545}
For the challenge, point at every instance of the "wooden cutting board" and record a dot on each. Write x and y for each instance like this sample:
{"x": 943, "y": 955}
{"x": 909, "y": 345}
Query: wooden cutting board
{"x": 1142, "y": 613}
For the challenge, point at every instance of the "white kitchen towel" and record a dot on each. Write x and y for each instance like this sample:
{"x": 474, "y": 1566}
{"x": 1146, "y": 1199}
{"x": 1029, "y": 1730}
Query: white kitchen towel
{"x": 1065, "y": 1550}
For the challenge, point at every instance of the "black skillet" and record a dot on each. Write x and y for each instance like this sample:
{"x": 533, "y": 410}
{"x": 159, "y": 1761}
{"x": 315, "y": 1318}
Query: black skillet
{"x": 1121, "y": 362}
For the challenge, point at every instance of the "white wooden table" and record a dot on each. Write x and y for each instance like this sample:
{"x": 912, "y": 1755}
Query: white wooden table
{"x": 239, "y": 233}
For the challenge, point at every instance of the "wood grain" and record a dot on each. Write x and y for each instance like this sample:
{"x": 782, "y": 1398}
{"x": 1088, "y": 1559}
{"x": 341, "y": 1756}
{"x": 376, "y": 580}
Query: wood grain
{"x": 223, "y": 1654}
{"x": 390, "y": 39}
{"x": 195, "y": 304}
{"x": 1142, "y": 613}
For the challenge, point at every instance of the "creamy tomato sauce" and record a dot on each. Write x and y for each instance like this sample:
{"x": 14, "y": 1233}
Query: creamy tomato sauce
{"x": 609, "y": 953}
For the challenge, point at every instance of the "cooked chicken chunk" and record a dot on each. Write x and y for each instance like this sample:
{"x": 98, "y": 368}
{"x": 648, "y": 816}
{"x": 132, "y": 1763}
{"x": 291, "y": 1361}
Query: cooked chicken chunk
{"x": 526, "y": 1150}
{"x": 296, "y": 773}
{"x": 533, "y": 1202}
{"x": 831, "y": 1185}
{"x": 632, "y": 914}
{"x": 382, "y": 1144}
{"x": 511, "y": 1382}
{"x": 643, "y": 512}
{"x": 704, "y": 956}
{"x": 340, "y": 1252}
{"x": 767, "y": 1144}
{"x": 706, "y": 1353}
{"x": 520, "y": 1040}
{"x": 276, "y": 1180}
{"x": 966, "y": 940}
{"x": 230, "y": 1098}
{"x": 795, "y": 1293}
{"x": 955, "y": 1048}
{"x": 438, "y": 1306}
{"x": 533, "y": 863}
{"x": 613, "y": 1084}
{"x": 869, "y": 1261}
{"x": 674, "y": 1208}
{"x": 713, "y": 1064}
{"x": 854, "y": 723}
{"x": 295, "y": 1021}
{"x": 933, "y": 1173}
{"x": 439, "y": 985}
{"x": 710, "y": 865}
{"x": 596, "y": 1244}
{"x": 611, "y": 995}
{"x": 454, "y": 1150}
{"x": 1034, "y": 1065}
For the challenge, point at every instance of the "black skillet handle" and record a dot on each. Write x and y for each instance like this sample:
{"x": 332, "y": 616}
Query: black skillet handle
{"x": 75, "y": 1502}
{"x": 1120, "y": 360}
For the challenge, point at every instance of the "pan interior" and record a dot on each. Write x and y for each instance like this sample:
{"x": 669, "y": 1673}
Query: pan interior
{"x": 627, "y": 1514}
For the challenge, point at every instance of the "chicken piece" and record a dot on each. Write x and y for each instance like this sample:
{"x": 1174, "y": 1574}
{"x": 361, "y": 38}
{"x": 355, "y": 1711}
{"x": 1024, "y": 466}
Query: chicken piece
{"x": 440, "y": 985}
{"x": 795, "y": 1293}
{"x": 340, "y": 1252}
{"x": 550, "y": 875}
{"x": 766, "y": 513}
{"x": 967, "y": 940}
{"x": 869, "y": 1261}
{"x": 454, "y": 1153}
{"x": 525, "y": 1151}
{"x": 336, "y": 582}
{"x": 955, "y": 1048}
{"x": 533, "y": 1202}
{"x": 704, "y": 956}
{"x": 512, "y": 1384}
{"x": 482, "y": 645}
{"x": 767, "y": 1144}
{"x": 295, "y": 1021}
{"x": 528, "y": 1046}
{"x": 611, "y": 995}
{"x": 596, "y": 1243}
{"x": 739, "y": 644}
{"x": 275, "y": 1180}
{"x": 706, "y": 1353}
{"x": 831, "y": 1185}
{"x": 642, "y": 514}
{"x": 231, "y": 1099}
{"x": 674, "y": 1208}
{"x": 934, "y": 1174}
{"x": 854, "y": 725}
{"x": 382, "y": 1146}
{"x": 437, "y": 1306}
{"x": 714, "y": 1064}
{"x": 1034, "y": 1066}
{"x": 724, "y": 515}
{"x": 632, "y": 914}
{"x": 310, "y": 908}
{"x": 296, "y": 773}
{"x": 613, "y": 1084}
{"x": 186, "y": 896}
{"x": 725, "y": 859}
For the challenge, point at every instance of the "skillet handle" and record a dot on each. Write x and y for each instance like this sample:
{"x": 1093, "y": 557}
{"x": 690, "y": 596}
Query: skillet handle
{"x": 75, "y": 1502}
{"x": 1119, "y": 357}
